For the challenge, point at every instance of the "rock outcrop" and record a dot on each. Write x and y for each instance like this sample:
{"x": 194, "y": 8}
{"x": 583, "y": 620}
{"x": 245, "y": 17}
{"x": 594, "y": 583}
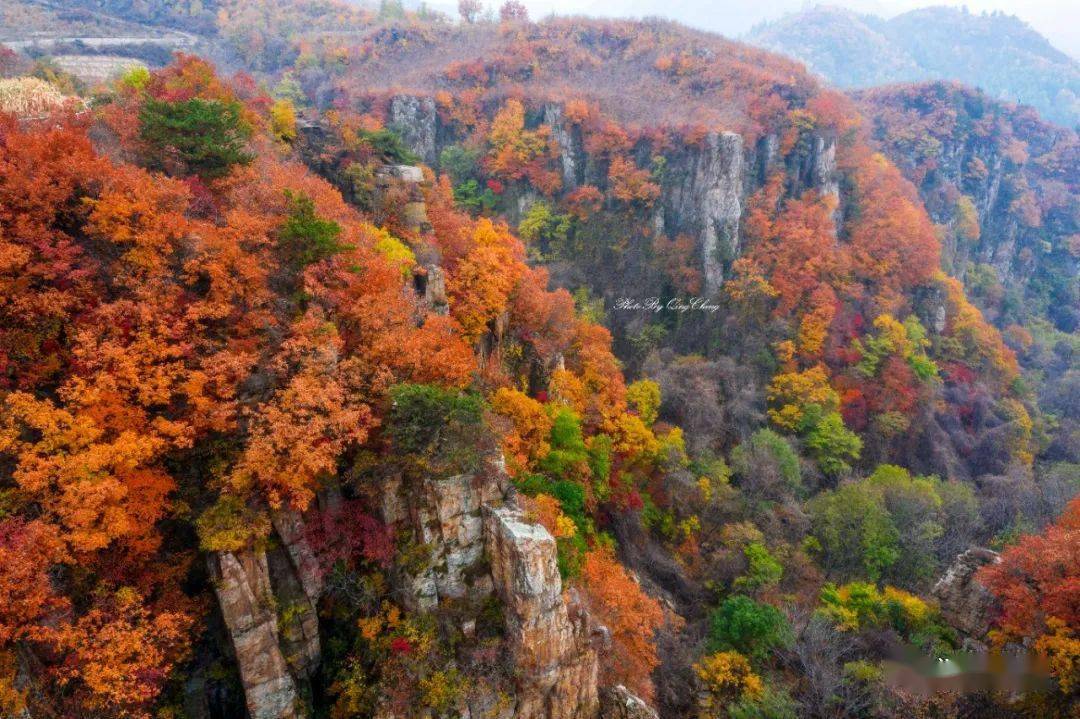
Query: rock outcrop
{"x": 569, "y": 141}
{"x": 268, "y": 599}
{"x": 415, "y": 120}
{"x": 705, "y": 195}
{"x": 704, "y": 185}
{"x": 618, "y": 702}
{"x": 965, "y": 603}
{"x": 242, "y": 584}
{"x": 444, "y": 515}
{"x": 549, "y": 636}
{"x": 399, "y": 192}
{"x": 478, "y": 543}
{"x": 289, "y": 525}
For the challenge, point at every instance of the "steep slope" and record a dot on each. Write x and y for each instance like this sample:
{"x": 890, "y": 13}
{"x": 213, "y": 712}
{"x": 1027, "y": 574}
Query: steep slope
{"x": 1002, "y": 185}
{"x": 250, "y": 440}
{"x": 1017, "y": 173}
{"x": 677, "y": 165}
{"x": 193, "y": 15}
{"x": 692, "y": 179}
{"x": 995, "y": 52}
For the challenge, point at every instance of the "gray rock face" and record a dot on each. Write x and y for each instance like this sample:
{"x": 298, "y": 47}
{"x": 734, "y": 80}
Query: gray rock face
{"x": 408, "y": 174}
{"x": 706, "y": 194}
{"x": 297, "y": 621}
{"x": 549, "y": 638}
{"x": 242, "y": 584}
{"x": 445, "y": 516}
{"x": 618, "y": 702}
{"x": 399, "y": 191}
{"x": 965, "y": 603}
{"x": 435, "y": 298}
{"x": 289, "y": 525}
{"x": 823, "y": 172}
{"x": 415, "y": 121}
{"x": 569, "y": 150}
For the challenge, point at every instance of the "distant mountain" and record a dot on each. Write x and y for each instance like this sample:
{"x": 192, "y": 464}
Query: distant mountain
{"x": 996, "y": 52}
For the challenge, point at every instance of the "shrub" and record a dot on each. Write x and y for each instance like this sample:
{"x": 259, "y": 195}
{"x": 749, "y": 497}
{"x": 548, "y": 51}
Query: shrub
{"x": 305, "y": 237}
{"x": 436, "y": 427}
{"x": 387, "y": 145}
{"x": 764, "y": 569}
{"x": 206, "y": 136}
{"x": 854, "y": 531}
{"x": 890, "y": 525}
{"x": 644, "y": 397}
{"x": 859, "y": 606}
{"x": 751, "y": 628}
{"x": 568, "y": 457}
{"x": 283, "y": 120}
{"x": 727, "y": 678}
{"x": 771, "y": 704}
{"x": 230, "y": 525}
{"x": 766, "y": 465}
{"x": 833, "y": 445}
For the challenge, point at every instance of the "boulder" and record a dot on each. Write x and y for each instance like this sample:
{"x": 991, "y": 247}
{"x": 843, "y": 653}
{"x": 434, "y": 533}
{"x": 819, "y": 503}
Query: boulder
{"x": 618, "y": 702}
{"x": 965, "y": 603}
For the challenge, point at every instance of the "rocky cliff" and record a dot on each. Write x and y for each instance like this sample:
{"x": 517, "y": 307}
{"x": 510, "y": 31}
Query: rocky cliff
{"x": 548, "y": 631}
{"x": 478, "y": 545}
{"x": 998, "y": 179}
{"x": 704, "y": 185}
{"x": 247, "y": 601}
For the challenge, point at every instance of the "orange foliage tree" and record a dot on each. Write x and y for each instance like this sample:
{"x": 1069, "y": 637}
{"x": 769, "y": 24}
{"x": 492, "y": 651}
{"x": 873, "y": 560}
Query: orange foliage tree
{"x": 618, "y": 601}
{"x": 1037, "y": 583}
{"x": 1039, "y": 578}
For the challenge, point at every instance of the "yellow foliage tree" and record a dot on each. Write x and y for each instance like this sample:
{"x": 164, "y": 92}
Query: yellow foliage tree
{"x": 790, "y": 393}
{"x": 1061, "y": 646}
{"x": 482, "y": 282}
{"x": 283, "y": 120}
{"x": 727, "y": 678}
{"x": 527, "y": 442}
{"x": 644, "y": 396}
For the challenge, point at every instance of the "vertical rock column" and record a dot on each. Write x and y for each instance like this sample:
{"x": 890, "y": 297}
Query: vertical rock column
{"x": 720, "y": 176}
{"x": 555, "y": 661}
{"x": 242, "y": 584}
{"x": 704, "y": 197}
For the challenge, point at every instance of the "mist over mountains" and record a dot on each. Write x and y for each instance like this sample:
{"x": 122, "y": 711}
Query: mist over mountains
{"x": 997, "y": 53}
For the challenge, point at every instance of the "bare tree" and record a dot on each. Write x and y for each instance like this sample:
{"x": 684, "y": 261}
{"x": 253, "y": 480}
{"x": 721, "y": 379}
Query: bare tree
{"x": 513, "y": 11}
{"x": 469, "y": 10}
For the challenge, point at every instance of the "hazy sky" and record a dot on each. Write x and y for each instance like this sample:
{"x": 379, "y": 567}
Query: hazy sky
{"x": 1058, "y": 20}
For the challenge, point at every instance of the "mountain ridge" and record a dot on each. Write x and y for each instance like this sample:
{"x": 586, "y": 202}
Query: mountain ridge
{"x": 996, "y": 52}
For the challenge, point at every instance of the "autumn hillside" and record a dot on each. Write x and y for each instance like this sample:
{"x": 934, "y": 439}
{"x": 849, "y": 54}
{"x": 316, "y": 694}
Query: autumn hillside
{"x": 644, "y": 74}
{"x": 393, "y": 366}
